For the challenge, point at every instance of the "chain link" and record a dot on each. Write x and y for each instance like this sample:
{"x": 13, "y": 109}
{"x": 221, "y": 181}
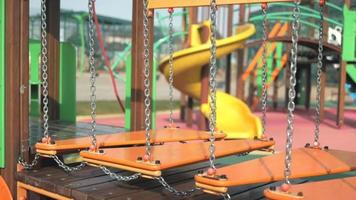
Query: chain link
{"x": 264, "y": 71}
{"x": 226, "y": 196}
{"x": 212, "y": 83}
{"x": 320, "y": 67}
{"x": 67, "y": 168}
{"x": 26, "y": 165}
{"x": 292, "y": 92}
{"x": 173, "y": 190}
{"x": 170, "y": 80}
{"x": 119, "y": 177}
{"x": 44, "y": 62}
{"x": 147, "y": 69}
{"x": 92, "y": 69}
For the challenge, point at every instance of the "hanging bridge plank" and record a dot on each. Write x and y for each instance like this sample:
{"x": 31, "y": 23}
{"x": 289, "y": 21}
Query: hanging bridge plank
{"x": 128, "y": 139}
{"x": 306, "y": 162}
{"x": 170, "y": 156}
{"x": 345, "y": 188}
{"x": 159, "y": 4}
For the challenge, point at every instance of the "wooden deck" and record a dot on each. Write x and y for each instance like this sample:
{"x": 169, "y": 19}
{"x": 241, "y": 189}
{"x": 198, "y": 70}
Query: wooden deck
{"x": 91, "y": 183}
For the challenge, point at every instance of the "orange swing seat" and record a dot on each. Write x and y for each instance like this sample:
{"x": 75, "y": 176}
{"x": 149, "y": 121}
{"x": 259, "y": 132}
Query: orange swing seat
{"x": 343, "y": 189}
{"x": 168, "y": 156}
{"x": 124, "y": 139}
{"x": 306, "y": 162}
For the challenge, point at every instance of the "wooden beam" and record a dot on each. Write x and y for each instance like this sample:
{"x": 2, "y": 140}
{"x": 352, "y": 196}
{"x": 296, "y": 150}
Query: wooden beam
{"x": 204, "y": 96}
{"x": 137, "y": 79}
{"x": 341, "y": 95}
{"x": 160, "y": 4}
{"x": 275, "y": 86}
{"x": 53, "y": 26}
{"x": 322, "y": 92}
{"x": 240, "y": 84}
{"x": 24, "y": 74}
{"x": 308, "y": 85}
{"x": 230, "y": 24}
{"x": 15, "y": 52}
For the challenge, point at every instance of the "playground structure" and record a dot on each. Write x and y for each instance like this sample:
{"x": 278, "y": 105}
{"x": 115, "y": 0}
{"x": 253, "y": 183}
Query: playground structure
{"x": 210, "y": 182}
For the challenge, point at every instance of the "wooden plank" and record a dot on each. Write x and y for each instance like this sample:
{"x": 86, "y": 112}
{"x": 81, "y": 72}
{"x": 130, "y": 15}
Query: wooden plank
{"x": 53, "y": 26}
{"x": 159, "y": 4}
{"x": 137, "y": 52}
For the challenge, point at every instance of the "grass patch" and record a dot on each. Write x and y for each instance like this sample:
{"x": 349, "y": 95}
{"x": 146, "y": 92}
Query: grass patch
{"x": 112, "y": 107}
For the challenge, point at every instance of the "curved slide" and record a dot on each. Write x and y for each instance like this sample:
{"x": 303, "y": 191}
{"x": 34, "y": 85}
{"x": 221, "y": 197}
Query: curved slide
{"x": 233, "y": 116}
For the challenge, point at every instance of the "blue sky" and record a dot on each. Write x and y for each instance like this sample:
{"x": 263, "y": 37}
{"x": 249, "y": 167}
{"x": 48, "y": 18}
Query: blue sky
{"x": 113, "y": 8}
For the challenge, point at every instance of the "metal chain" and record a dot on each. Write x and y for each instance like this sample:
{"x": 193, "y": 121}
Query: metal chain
{"x": 264, "y": 71}
{"x": 170, "y": 80}
{"x": 92, "y": 70}
{"x": 226, "y": 196}
{"x": 119, "y": 177}
{"x": 173, "y": 190}
{"x": 212, "y": 83}
{"x": 292, "y": 92}
{"x": 320, "y": 67}
{"x": 44, "y": 62}
{"x": 65, "y": 167}
{"x": 147, "y": 90}
{"x": 26, "y": 165}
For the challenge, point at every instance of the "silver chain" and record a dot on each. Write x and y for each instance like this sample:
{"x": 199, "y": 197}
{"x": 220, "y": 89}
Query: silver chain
{"x": 147, "y": 90}
{"x": 292, "y": 92}
{"x": 264, "y": 71}
{"x": 60, "y": 163}
{"x": 65, "y": 167}
{"x": 212, "y": 83}
{"x": 320, "y": 67}
{"x": 170, "y": 80}
{"x": 119, "y": 177}
{"x": 26, "y": 165}
{"x": 44, "y": 62}
{"x": 226, "y": 196}
{"x": 92, "y": 72}
{"x": 173, "y": 190}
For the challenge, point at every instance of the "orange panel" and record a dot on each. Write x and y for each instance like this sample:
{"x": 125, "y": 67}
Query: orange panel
{"x": 345, "y": 189}
{"x": 175, "y": 154}
{"x": 4, "y": 190}
{"x": 306, "y": 162}
{"x": 129, "y": 138}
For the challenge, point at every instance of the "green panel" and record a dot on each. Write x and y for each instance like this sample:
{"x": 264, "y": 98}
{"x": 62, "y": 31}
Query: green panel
{"x": 2, "y": 83}
{"x": 349, "y": 35}
{"x": 35, "y": 57}
{"x": 128, "y": 69}
{"x": 351, "y": 71}
{"x": 67, "y": 83}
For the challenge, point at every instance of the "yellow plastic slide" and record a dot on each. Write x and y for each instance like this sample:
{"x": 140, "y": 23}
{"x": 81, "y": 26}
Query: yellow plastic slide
{"x": 233, "y": 116}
